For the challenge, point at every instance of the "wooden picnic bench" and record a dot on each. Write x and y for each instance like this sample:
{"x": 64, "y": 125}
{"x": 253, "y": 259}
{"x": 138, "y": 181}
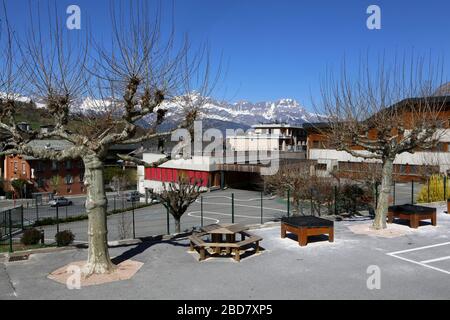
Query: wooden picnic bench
{"x": 247, "y": 238}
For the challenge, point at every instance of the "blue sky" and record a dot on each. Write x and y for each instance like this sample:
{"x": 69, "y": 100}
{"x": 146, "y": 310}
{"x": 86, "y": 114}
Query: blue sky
{"x": 280, "y": 49}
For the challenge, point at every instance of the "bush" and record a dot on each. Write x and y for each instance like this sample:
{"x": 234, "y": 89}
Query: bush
{"x": 31, "y": 237}
{"x": 64, "y": 238}
{"x": 436, "y": 187}
{"x": 351, "y": 198}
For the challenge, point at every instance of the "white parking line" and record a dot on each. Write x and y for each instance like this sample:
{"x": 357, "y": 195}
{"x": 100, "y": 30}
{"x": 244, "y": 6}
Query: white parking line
{"x": 420, "y": 248}
{"x": 424, "y": 263}
{"x": 436, "y": 260}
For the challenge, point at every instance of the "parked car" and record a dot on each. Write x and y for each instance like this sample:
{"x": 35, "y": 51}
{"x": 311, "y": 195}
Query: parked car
{"x": 60, "y": 202}
{"x": 134, "y": 196}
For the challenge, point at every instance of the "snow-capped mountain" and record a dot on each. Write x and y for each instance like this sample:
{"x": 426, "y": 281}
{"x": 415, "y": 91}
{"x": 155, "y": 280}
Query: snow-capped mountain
{"x": 214, "y": 113}
{"x": 245, "y": 114}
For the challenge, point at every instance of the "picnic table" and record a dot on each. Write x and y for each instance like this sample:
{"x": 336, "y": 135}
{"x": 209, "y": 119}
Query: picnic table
{"x": 222, "y": 240}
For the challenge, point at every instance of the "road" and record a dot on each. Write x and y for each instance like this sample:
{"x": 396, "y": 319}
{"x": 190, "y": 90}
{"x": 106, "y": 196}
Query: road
{"x": 31, "y": 213}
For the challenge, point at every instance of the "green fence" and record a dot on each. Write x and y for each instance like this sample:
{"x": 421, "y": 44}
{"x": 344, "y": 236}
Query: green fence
{"x": 11, "y": 223}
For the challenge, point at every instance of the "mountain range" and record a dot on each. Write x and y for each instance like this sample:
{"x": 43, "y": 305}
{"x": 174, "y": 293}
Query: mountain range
{"x": 215, "y": 113}
{"x": 244, "y": 114}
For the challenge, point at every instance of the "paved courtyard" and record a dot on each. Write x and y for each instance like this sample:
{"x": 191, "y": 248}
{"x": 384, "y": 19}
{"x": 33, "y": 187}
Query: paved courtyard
{"x": 413, "y": 266}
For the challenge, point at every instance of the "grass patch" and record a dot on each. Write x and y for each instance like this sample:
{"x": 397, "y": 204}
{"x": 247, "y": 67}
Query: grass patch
{"x": 17, "y": 246}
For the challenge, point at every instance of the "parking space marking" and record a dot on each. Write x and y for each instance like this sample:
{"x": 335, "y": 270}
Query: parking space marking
{"x": 436, "y": 260}
{"x": 420, "y": 248}
{"x": 424, "y": 263}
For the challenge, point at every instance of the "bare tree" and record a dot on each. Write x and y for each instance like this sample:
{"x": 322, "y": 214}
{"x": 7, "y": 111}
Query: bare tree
{"x": 126, "y": 81}
{"x": 297, "y": 179}
{"x": 382, "y": 113}
{"x": 178, "y": 196}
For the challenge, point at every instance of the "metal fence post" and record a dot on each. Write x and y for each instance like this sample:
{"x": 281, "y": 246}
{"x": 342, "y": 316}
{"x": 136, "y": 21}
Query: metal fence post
{"x": 10, "y": 233}
{"x": 335, "y": 201}
{"x": 445, "y": 188}
{"x": 21, "y": 217}
{"x": 412, "y": 191}
{"x": 262, "y": 210}
{"x": 232, "y": 208}
{"x": 168, "y": 222}
{"x": 288, "y": 201}
{"x": 201, "y": 212}
{"x": 134, "y": 225}
{"x": 428, "y": 187}
{"x": 57, "y": 219}
{"x": 37, "y": 210}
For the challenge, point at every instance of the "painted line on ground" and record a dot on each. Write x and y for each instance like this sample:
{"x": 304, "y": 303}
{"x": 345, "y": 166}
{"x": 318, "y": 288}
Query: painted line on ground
{"x": 436, "y": 260}
{"x": 424, "y": 263}
{"x": 420, "y": 248}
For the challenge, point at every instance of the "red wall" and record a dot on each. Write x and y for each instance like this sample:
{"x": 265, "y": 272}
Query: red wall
{"x": 171, "y": 175}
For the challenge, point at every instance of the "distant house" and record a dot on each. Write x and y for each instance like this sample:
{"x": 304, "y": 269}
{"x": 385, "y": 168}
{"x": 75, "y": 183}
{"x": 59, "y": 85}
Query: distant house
{"x": 407, "y": 166}
{"x": 66, "y": 178}
{"x": 42, "y": 176}
{"x": 280, "y": 137}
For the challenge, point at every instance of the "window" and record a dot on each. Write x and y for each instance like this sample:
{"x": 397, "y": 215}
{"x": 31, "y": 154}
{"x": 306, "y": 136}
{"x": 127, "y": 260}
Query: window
{"x": 68, "y": 165}
{"x": 321, "y": 166}
{"x": 16, "y": 166}
{"x": 54, "y": 165}
{"x": 81, "y": 176}
{"x": 69, "y": 179}
{"x": 24, "y": 168}
{"x": 39, "y": 166}
{"x": 40, "y": 182}
{"x": 403, "y": 168}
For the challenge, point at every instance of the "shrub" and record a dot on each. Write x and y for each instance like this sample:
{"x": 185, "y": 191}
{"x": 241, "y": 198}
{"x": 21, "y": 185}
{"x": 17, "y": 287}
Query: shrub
{"x": 436, "y": 190}
{"x": 31, "y": 237}
{"x": 64, "y": 238}
{"x": 351, "y": 198}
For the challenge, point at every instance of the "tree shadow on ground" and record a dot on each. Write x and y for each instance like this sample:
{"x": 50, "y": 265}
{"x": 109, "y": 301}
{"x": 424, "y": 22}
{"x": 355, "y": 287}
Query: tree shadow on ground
{"x": 146, "y": 244}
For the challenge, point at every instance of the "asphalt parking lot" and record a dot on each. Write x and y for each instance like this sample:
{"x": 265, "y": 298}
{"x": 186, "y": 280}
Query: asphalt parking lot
{"x": 412, "y": 266}
{"x": 217, "y": 207}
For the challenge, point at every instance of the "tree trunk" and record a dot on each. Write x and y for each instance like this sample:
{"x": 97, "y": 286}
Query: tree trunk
{"x": 99, "y": 261}
{"x": 383, "y": 197}
{"x": 177, "y": 225}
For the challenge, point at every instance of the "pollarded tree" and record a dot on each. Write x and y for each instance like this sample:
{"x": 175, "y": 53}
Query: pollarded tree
{"x": 178, "y": 196}
{"x": 381, "y": 114}
{"x": 126, "y": 82}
